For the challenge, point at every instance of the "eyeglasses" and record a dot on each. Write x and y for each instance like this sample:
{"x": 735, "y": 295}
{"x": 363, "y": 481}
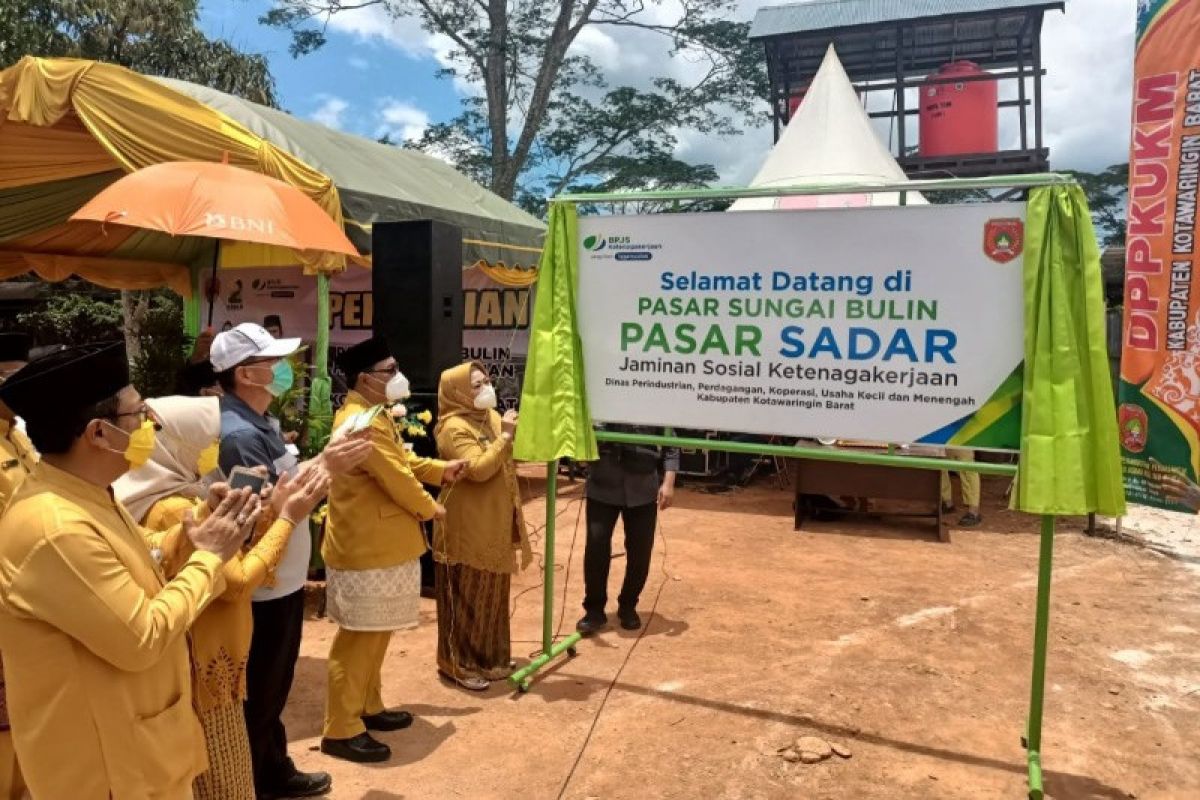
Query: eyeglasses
{"x": 143, "y": 413}
{"x": 389, "y": 371}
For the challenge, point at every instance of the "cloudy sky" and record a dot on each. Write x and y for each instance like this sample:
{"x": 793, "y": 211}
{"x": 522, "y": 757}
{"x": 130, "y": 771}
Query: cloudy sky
{"x": 377, "y": 76}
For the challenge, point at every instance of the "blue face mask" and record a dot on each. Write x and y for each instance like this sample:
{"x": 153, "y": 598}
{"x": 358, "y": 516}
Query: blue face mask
{"x": 282, "y": 378}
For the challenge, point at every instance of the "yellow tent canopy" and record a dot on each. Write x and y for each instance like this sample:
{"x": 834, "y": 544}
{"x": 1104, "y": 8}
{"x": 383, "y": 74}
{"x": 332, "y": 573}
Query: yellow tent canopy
{"x": 68, "y": 128}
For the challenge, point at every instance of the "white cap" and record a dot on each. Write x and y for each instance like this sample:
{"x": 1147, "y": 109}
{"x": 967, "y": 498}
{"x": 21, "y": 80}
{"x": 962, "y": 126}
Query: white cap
{"x": 245, "y": 342}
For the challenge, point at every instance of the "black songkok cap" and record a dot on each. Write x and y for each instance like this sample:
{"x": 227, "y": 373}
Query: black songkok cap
{"x": 363, "y": 356}
{"x": 15, "y": 346}
{"x": 66, "y": 383}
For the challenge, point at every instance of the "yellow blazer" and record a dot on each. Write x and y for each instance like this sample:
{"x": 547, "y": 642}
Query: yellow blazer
{"x": 221, "y": 635}
{"x": 17, "y": 459}
{"x": 484, "y": 526}
{"x": 376, "y": 509}
{"x": 95, "y": 646}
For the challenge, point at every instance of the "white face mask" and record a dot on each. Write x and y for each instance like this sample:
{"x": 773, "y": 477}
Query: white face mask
{"x": 486, "y": 398}
{"x": 397, "y": 388}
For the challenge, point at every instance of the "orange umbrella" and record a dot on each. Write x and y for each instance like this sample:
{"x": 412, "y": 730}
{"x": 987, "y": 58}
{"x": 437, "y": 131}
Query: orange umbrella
{"x": 200, "y": 198}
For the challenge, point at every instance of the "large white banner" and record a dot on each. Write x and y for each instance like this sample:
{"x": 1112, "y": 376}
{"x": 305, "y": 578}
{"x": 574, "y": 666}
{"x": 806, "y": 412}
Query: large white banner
{"x": 883, "y": 324}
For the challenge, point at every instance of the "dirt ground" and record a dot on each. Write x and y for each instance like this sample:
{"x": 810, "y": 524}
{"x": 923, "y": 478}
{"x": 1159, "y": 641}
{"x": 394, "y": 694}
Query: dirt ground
{"x": 871, "y": 634}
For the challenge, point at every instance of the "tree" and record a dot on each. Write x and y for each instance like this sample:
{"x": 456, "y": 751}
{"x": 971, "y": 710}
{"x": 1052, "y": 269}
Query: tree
{"x": 152, "y": 325}
{"x": 155, "y": 37}
{"x": 546, "y": 119}
{"x": 1106, "y": 192}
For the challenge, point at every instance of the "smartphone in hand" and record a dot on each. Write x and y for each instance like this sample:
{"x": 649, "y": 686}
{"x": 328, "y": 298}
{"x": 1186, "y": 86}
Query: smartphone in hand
{"x": 243, "y": 477}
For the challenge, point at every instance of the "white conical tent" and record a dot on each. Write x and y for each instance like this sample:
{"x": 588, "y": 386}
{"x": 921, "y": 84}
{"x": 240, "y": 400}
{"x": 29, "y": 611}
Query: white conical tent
{"x": 829, "y": 140}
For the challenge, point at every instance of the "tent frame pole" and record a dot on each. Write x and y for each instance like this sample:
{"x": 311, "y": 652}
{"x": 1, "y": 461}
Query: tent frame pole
{"x": 191, "y": 304}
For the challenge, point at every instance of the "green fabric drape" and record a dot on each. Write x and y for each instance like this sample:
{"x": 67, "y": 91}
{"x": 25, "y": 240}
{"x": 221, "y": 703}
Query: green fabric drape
{"x": 555, "y": 421}
{"x": 1070, "y": 458}
{"x": 320, "y": 398}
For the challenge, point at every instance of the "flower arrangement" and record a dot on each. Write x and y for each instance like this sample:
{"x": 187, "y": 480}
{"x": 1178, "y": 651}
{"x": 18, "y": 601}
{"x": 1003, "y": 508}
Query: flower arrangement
{"x": 411, "y": 426}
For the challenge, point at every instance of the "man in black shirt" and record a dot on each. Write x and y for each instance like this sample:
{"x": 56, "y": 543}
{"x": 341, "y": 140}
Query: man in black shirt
{"x": 624, "y": 482}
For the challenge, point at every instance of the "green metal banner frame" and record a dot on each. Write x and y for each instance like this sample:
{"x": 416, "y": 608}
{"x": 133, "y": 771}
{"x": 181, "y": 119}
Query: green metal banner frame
{"x": 1032, "y": 741}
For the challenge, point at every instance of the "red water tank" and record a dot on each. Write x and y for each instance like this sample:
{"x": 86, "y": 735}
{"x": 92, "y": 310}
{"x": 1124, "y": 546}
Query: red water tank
{"x": 794, "y": 102}
{"x": 959, "y": 116}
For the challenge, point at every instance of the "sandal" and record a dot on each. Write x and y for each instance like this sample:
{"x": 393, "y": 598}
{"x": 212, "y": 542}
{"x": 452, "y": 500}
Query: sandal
{"x": 472, "y": 683}
{"x": 970, "y": 520}
{"x": 501, "y": 673}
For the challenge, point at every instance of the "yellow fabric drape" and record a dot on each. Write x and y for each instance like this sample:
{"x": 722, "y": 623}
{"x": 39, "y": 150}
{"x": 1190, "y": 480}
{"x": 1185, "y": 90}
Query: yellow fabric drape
{"x": 76, "y": 239}
{"x": 506, "y": 275}
{"x": 111, "y": 273}
{"x": 536, "y": 251}
{"x": 140, "y": 122}
{"x": 30, "y": 155}
{"x": 251, "y": 255}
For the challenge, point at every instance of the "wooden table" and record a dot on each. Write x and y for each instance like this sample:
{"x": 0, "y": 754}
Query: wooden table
{"x": 841, "y": 478}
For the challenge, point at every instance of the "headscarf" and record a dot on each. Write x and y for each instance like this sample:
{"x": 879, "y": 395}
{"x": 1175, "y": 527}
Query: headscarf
{"x": 189, "y": 426}
{"x": 455, "y": 398}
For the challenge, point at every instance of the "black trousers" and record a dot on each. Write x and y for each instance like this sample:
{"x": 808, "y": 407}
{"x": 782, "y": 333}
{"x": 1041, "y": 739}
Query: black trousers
{"x": 274, "y": 649}
{"x": 639, "y": 523}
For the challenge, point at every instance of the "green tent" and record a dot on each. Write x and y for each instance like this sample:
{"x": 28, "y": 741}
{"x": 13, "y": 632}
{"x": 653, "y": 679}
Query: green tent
{"x": 383, "y": 182}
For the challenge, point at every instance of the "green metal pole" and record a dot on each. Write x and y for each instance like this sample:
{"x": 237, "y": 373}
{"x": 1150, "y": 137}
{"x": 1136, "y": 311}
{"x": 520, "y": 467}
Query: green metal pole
{"x": 1041, "y": 631}
{"x": 550, "y": 651}
{"x": 191, "y": 305}
{"x": 812, "y": 453}
{"x": 940, "y": 184}
{"x": 548, "y": 565}
{"x": 320, "y": 393}
{"x": 321, "y": 354}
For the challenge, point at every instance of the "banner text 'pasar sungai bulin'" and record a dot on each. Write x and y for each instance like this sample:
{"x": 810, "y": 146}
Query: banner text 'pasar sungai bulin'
{"x": 889, "y": 324}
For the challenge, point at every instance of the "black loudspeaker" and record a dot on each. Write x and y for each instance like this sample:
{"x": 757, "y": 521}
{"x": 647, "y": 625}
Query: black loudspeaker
{"x": 417, "y": 286}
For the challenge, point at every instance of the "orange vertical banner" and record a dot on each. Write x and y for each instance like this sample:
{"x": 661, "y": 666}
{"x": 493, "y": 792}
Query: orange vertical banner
{"x": 1159, "y": 412}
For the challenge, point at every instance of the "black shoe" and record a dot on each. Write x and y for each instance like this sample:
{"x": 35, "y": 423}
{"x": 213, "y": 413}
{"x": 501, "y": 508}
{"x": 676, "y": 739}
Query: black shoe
{"x": 301, "y": 784}
{"x": 630, "y": 620}
{"x": 591, "y": 623}
{"x": 361, "y": 749}
{"x": 388, "y": 721}
{"x": 971, "y": 519}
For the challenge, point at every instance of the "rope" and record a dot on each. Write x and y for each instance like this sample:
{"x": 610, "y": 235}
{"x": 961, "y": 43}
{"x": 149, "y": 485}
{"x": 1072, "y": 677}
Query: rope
{"x": 612, "y": 684}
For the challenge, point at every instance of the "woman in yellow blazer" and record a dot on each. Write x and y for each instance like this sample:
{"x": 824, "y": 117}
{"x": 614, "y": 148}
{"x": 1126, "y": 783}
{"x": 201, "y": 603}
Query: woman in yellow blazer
{"x": 160, "y": 493}
{"x": 476, "y": 545}
{"x": 372, "y": 549}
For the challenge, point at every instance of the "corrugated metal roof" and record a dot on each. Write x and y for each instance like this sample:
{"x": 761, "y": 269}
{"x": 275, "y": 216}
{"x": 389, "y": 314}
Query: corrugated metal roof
{"x": 822, "y": 14}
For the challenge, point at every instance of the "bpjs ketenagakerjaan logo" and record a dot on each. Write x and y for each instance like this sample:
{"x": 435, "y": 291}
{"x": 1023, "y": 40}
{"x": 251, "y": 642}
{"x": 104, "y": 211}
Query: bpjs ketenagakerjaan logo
{"x": 619, "y": 248}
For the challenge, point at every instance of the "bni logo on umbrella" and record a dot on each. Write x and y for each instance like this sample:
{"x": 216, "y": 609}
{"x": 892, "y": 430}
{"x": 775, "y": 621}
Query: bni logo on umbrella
{"x": 233, "y": 222}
